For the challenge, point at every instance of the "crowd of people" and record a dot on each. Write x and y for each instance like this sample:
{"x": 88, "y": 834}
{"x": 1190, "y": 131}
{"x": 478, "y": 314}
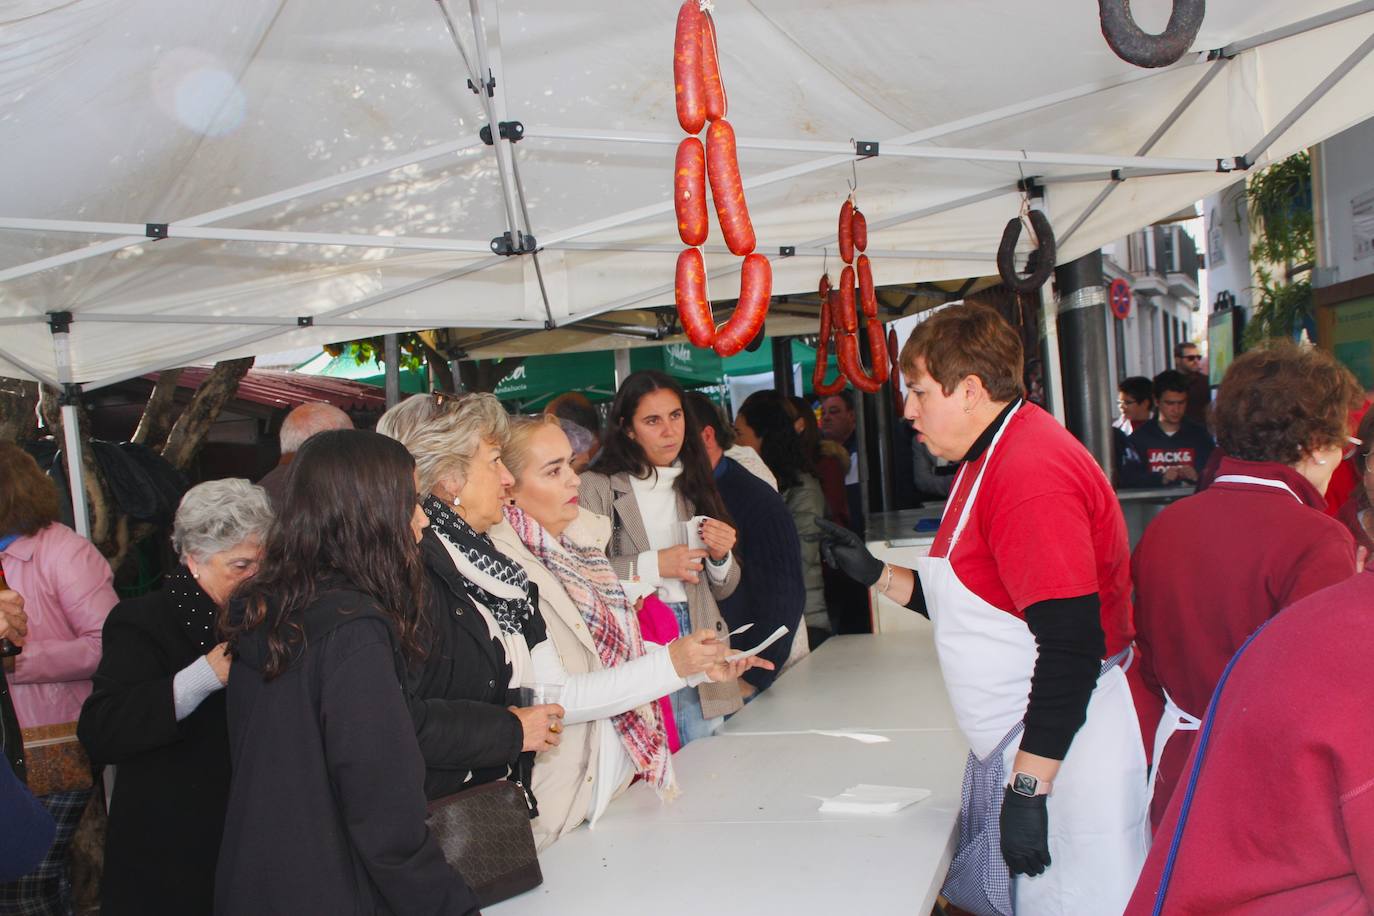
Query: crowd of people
{"x": 394, "y": 618}
{"x": 465, "y": 599}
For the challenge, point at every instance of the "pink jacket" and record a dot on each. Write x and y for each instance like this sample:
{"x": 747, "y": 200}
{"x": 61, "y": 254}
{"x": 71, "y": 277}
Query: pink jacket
{"x": 68, "y": 591}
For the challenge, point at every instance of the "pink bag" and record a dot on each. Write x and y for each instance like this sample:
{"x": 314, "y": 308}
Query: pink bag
{"x": 658, "y": 623}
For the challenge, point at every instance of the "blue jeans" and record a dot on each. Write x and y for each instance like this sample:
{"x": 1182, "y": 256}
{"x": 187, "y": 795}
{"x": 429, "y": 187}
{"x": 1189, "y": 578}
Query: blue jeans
{"x": 687, "y": 702}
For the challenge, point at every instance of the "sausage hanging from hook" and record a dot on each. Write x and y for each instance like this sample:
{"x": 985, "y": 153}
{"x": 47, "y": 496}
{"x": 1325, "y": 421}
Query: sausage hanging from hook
{"x": 1136, "y": 46}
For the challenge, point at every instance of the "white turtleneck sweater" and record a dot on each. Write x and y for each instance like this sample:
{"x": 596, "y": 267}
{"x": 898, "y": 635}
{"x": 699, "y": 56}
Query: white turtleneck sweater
{"x": 658, "y": 510}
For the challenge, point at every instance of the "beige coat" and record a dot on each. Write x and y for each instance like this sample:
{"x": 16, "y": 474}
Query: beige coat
{"x": 614, "y": 496}
{"x": 564, "y": 778}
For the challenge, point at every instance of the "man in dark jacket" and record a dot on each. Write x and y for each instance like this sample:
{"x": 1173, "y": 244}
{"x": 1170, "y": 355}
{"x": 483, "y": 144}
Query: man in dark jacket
{"x": 1169, "y": 449}
{"x": 772, "y": 590}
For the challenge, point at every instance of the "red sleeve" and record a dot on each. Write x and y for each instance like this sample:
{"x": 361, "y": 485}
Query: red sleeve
{"x": 1357, "y": 817}
{"x": 1043, "y": 548}
{"x": 1328, "y": 560}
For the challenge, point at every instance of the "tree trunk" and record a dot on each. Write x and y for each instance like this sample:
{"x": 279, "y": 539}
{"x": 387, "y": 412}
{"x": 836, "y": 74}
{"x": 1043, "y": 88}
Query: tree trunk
{"x": 157, "y": 417}
{"x": 18, "y": 410}
{"x": 486, "y": 374}
{"x": 109, "y": 529}
{"x": 440, "y": 374}
{"x": 188, "y": 435}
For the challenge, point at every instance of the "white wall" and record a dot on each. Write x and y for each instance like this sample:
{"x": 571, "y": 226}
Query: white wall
{"x": 1347, "y": 161}
{"x": 1227, "y": 232}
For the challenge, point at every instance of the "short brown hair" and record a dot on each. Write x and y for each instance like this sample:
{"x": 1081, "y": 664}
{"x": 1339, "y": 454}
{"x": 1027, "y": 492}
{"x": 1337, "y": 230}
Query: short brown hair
{"x": 965, "y": 340}
{"x": 1280, "y": 400}
{"x": 28, "y": 498}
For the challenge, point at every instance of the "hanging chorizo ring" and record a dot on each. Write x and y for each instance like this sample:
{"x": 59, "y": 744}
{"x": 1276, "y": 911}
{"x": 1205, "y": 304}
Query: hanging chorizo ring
{"x": 1044, "y": 254}
{"x": 1136, "y": 46}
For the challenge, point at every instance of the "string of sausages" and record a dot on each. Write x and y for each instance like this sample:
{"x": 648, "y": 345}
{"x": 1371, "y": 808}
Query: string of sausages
{"x": 701, "y": 98}
{"x": 839, "y": 319}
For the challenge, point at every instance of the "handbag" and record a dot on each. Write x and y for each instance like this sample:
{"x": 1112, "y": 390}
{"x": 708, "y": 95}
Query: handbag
{"x": 56, "y": 760}
{"x": 485, "y": 836}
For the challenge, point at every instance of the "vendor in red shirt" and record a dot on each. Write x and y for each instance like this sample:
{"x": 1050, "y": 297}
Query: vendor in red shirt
{"x": 1028, "y": 588}
{"x": 1211, "y": 568}
{"x": 1282, "y": 816}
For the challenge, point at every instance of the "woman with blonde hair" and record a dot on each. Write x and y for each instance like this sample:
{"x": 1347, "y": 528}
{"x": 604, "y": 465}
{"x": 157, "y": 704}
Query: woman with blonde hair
{"x": 610, "y": 676}
{"x": 490, "y": 638}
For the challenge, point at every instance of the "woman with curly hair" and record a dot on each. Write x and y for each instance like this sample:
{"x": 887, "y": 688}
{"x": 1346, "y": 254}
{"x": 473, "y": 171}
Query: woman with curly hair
{"x": 1212, "y": 568}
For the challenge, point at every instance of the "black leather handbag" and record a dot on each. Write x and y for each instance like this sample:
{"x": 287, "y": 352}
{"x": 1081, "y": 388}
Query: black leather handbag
{"x": 485, "y": 835}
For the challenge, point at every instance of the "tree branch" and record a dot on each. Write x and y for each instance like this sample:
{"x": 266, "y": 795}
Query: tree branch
{"x": 157, "y": 418}
{"x": 188, "y": 435}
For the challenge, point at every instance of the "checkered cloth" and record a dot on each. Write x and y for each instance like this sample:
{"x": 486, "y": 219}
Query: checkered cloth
{"x": 46, "y": 891}
{"x": 979, "y": 880}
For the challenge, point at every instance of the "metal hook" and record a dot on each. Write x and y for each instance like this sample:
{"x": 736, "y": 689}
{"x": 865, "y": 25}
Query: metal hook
{"x": 853, "y": 168}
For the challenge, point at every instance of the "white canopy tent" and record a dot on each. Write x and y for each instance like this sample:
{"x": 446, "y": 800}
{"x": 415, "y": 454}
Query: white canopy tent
{"x": 202, "y": 180}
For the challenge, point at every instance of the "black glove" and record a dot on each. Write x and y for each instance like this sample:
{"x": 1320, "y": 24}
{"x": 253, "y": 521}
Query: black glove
{"x": 842, "y": 549}
{"x": 1025, "y": 833}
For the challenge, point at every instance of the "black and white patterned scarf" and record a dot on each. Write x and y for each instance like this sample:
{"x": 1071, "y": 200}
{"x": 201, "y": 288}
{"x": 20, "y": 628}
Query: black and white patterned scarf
{"x": 498, "y": 583}
{"x": 195, "y": 609}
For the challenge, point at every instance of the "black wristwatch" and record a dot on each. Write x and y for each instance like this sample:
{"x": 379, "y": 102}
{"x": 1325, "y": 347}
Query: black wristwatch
{"x": 1029, "y": 786}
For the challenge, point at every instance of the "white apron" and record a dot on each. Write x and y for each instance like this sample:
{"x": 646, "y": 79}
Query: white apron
{"x": 1098, "y": 831}
{"x": 1175, "y": 719}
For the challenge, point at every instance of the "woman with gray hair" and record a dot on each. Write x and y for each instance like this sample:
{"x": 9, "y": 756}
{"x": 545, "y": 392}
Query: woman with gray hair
{"x": 158, "y": 713}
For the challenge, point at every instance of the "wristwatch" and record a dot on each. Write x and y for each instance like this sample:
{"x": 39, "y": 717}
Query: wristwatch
{"x": 1029, "y": 786}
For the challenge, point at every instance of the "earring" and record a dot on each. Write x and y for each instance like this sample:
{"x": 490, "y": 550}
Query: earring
{"x": 457, "y": 502}
{"x": 968, "y": 410}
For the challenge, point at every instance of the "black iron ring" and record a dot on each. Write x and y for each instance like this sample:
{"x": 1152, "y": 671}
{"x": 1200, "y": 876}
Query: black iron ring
{"x": 1136, "y": 46}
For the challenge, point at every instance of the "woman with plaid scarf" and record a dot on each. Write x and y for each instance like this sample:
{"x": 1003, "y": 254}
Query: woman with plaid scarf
{"x": 614, "y": 730}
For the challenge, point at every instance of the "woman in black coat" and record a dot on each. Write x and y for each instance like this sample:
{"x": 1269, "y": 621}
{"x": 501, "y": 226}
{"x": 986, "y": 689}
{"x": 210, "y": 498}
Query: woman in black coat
{"x": 157, "y": 710}
{"x": 467, "y": 715}
{"x": 326, "y": 802}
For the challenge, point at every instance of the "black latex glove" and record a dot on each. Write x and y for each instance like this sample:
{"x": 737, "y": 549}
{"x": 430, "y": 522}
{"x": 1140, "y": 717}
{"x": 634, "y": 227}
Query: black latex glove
{"x": 1025, "y": 833}
{"x": 842, "y": 549}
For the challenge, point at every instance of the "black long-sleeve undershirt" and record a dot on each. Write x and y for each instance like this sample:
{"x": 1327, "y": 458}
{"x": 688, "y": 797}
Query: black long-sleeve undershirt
{"x": 1070, "y": 643}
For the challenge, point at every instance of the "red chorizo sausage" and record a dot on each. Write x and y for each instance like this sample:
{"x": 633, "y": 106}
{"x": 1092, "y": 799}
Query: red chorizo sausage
{"x": 755, "y": 289}
{"x": 687, "y": 82}
{"x": 713, "y": 86}
{"x": 877, "y": 350}
{"x": 859, "y": 230}
{"x": 818, "y": 383}
{"x": 693, "y": 308}
{"x": 722, "y": 168}
{"x": 848, "y": 320}
{"x": 853, "y": 368}
{"x": 846, "y": 232}
{"x": 689, "y": 191}
{"x": 868, "y": 297}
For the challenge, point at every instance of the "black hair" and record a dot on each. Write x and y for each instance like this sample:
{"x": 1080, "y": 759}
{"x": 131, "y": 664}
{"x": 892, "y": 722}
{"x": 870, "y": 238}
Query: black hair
{"x": 707, "y": 414}
{"x": 769, "y": 415}
{"x": 621, "y": 454}
{"x": 1170, "y": 380}
{"x": 1138, "y": 388}
{"x": 346, "y": 515}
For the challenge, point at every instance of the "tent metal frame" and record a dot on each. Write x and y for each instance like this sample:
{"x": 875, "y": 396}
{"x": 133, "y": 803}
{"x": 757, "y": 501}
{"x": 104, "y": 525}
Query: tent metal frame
{"x": 493, "y": 103}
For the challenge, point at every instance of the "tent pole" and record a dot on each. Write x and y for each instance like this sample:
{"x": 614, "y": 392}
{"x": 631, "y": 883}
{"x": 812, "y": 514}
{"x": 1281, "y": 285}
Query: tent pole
{"x": 391, "y": 344}
{"x": 494, "y": 109}
{"x": 60, "y": 324}
{"x": 1083, "y": 318}
{"x": 1049, "y": 318}
{"x": 267, "y": 236}
{"x": 963, "y": 154}
{"x": 1297, "y": 28}
{"x": 784, "y": 382}
{"x": 622, "y": 366}
{"x": 247, "y": 206}
{"x": 1322, "y": 88}
{"x": 1149, "y": 144}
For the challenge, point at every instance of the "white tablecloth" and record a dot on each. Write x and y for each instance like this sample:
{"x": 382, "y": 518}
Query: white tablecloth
{"x": 746, "y": 835}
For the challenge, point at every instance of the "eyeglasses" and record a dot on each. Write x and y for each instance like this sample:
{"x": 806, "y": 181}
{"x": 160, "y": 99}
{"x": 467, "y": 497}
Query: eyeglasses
{"x": 1126, "y": 402}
